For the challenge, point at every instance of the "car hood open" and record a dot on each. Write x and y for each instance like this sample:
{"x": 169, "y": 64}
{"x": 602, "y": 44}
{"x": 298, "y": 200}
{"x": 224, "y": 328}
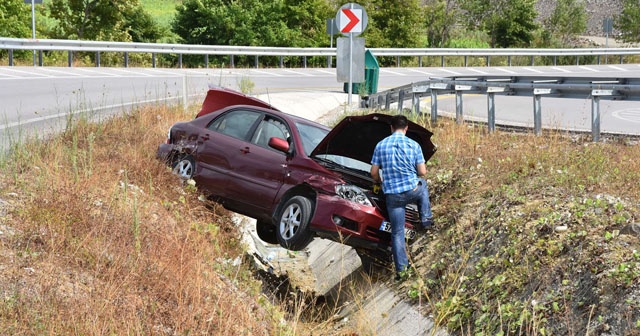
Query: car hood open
{"x": 356, "y": 137}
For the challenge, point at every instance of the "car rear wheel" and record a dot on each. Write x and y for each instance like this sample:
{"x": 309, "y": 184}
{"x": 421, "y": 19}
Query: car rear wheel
{"x": 184, "y": 166}
{"x": 293, "y": 223}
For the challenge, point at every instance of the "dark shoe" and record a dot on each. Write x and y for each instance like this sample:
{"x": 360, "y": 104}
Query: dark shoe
{"x": 426, "y": 225}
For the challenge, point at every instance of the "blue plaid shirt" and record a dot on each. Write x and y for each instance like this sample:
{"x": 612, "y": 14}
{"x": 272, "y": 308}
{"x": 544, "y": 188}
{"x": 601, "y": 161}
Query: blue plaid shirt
{"x": 397, "y": 157}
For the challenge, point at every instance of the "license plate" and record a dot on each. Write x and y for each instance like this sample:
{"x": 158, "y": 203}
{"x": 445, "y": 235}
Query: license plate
{"x": 386, "y": 227}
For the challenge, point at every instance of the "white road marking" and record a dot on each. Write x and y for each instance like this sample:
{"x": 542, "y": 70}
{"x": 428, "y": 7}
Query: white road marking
{"x": 560, "y": 69}
{"x": 10, "y": 76}
{"x": 631, "y": 115}
{"x": 421, "y": 72}
{"x": 69, "y": 74}
{"x": 127, "y": 71}
{"x": 505, "y": 70}
{"x": 33, "y": 74}
{"x": 268, "y": 73}
{"x": 477, "y": 71}
{"x": 587, "y": 68}
{"x": 298, "y": 73}
{"x": 618, "y": 68}
{"x": 326, "y": 71}
{"x": 98, "y": 72}
{"x": 450, "y": 71}
{"x": 392, "y": 72}
{"x": 532, "y": 70}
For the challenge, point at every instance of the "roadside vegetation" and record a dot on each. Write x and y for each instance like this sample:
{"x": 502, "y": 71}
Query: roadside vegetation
{"x": 533, "y": 236}
{"x": 295, "y": 23}
{"x": 98, "y": 237}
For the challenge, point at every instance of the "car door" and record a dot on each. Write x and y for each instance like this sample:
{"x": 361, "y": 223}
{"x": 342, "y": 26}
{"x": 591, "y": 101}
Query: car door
{"x": 260, "y": 170}
{"x": 219, "y": 145}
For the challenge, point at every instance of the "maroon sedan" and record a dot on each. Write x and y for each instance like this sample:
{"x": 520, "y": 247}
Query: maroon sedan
{"x": 295, "y": 176}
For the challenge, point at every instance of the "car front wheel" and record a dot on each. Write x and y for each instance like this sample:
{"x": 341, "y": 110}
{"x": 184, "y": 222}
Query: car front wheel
{"x": 293, "y": 223}
{"x": 184, "y": 166}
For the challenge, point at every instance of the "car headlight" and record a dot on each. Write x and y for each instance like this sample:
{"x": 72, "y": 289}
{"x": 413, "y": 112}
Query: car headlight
{"x": 353, "y": 194}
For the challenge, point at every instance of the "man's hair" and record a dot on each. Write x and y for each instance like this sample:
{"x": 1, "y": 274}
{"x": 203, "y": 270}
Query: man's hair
{"x": 399, "y": 122}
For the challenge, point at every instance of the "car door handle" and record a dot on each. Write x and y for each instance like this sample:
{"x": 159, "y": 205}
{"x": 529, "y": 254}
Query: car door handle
{"x": 245, "y": 150}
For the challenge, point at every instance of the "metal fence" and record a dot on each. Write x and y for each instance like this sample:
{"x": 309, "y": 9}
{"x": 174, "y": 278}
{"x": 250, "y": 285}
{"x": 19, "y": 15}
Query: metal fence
{"x": 536, "y": 87}
{"x": 126, "y": 48}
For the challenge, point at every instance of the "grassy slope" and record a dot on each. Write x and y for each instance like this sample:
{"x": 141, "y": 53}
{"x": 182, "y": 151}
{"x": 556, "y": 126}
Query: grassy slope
{"x": 528, "y": 237}
{"x": 162, "y": 10}
{"x": 99, "y": 237}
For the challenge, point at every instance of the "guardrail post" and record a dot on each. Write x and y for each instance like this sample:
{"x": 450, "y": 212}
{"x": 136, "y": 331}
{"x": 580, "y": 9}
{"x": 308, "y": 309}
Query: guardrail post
{"x": 598, "y": 58}
{"x": 537, "y": 114}
{"x": 466, "y": 61}
{"x": 304, "y": 61}
{"x": 595, "y": 118}
{"x": 555, "y": 60}
{"x": 281, "y": 61}
{"x": 578, "y": 60}
{"x": 233, "y": 62}
{"x": 10, "y": 57}
{"x": 400, "y": 100}
{"x": 257, "y": 66}
{"x": 488, "y": 61}
{"x": 491, "y": 111}
{"x": 442, "y": 61}
{"x": 420, "y": 61}
{"x": 97, "y": 59}
{"x": 459, "y": 110}
{"x": 70, "y": 58}
{"x": 416, "y": 103}
{"x": 434, "y": 105}
{"x": 40, "y": 62}
{"x": 206, "y": 61}
{"x": 180, "y": 61}
{"x": 153, "y": 60}
{"x": 397, "y": 61}
{"x": 380, "y": 100}
{"x": 621, "y": 59}
{"x": 533, "y": 61}
{"x": 509, "y": 60}
{"x": 387, "y": 101}
{"x": 126, "y": 59}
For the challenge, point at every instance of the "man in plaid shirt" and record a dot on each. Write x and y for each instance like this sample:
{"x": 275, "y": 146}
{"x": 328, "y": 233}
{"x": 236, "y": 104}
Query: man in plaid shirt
{"x": 398, "y": 162}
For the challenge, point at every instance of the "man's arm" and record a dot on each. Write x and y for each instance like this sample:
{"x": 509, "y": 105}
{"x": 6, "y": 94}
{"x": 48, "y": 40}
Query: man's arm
{"x": 375, "y": 173}
{"x": 421, "y": 169}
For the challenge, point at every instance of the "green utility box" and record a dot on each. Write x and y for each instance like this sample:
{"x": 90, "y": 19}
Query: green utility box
{"x": 371, "y": 75}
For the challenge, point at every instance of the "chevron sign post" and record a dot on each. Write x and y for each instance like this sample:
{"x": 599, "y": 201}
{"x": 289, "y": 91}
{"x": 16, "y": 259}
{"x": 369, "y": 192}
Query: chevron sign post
{"x": 351, "y": 20}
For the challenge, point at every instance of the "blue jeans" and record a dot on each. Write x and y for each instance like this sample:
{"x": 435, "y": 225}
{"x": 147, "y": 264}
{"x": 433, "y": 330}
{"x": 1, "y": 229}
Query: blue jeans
{"x": 396, "y": 204}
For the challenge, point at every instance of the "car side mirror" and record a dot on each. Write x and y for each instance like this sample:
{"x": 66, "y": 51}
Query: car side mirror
{"x": 279, "y": 144}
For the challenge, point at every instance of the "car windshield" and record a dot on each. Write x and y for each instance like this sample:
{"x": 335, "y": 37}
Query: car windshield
{"x": 311, "y": 136}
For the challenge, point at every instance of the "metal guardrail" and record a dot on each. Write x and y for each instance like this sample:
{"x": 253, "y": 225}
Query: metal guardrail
{"x": 206, "y": 50}
{"x": 536, "y": 87}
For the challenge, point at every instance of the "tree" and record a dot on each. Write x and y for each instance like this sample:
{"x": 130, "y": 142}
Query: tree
{"x": 394, "y": 24}
{"x": 15, "y": 19}
{"x": 508, "y": 23}
{"x": 628, "y": 22}
{"x": 568, "y": 19}
{"x": 294, "y": 23}
{"x": 110, "y": 20}
{"x": 440, "y": 18}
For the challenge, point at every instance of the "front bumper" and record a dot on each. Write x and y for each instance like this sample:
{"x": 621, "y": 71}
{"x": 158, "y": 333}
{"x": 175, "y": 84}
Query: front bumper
{"x": 350, "y": 223}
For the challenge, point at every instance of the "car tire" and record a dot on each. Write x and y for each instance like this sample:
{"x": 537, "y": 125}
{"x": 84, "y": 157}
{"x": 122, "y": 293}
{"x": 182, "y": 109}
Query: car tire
{"x": 267, "y": 232}
{"x": 184, "y": 166}
{"x": 292, "y": 228}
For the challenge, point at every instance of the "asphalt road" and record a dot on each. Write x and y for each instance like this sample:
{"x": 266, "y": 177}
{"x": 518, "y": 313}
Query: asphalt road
{"x": 39, "y": 100}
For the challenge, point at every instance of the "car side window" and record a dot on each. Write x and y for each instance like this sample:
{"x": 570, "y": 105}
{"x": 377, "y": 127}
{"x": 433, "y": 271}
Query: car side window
{"x": 270, "y": 127}
{"x": 236, "y": 123}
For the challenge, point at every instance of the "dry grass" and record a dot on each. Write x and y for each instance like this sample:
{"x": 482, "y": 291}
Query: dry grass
{"x": 99, "y": 238}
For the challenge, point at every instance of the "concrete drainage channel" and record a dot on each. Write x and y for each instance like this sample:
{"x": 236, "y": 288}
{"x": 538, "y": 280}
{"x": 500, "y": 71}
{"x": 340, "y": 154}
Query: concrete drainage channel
{"x": 329, "y": 271}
